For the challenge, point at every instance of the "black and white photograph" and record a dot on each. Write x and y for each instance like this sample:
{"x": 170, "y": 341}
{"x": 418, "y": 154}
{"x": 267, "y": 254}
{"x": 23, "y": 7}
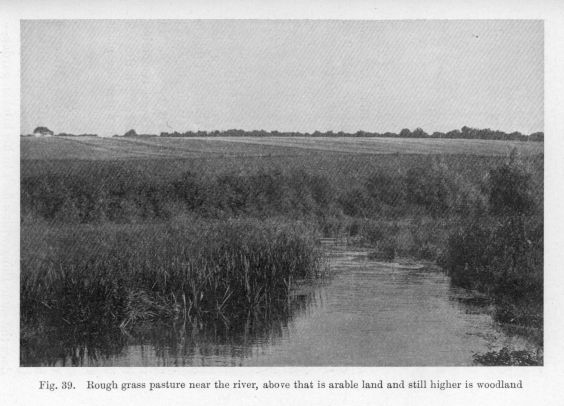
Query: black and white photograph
{"x": 281, "y": 193}
{"x": 257, "y": 202}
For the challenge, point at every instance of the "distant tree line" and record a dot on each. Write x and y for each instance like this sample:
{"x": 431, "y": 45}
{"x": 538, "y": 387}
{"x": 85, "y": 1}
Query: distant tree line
{"x": 463, "y": 133}
{"x": 43, "y": 131}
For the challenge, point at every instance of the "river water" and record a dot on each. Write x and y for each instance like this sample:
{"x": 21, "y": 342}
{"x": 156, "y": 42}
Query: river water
{"x": 366, "y": 313}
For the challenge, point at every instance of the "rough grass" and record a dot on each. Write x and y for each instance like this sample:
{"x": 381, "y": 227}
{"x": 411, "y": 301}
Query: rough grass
{"x": 116, "y": 276}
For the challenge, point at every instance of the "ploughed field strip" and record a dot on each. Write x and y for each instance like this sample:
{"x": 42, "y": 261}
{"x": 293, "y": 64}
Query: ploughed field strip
{"x": 91, "y": 148}
{"x": 390, "y": 145}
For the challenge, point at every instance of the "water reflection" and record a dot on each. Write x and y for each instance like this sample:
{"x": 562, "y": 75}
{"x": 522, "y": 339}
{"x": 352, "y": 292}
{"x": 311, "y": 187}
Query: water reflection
{"x": 70, "y": 347}
{"x": 172, "y": 343}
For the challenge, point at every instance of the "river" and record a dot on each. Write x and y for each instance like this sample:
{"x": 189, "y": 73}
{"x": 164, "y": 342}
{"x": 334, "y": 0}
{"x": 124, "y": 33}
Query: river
{"x": 366, "y": 313}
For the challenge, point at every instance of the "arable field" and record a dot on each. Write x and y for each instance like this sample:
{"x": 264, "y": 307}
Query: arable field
{"x": 157, "y": 147}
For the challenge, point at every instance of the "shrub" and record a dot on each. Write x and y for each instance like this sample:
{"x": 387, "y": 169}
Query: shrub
{"x": 357, "y": 203}
{"x": 503, "y": 259}
{"x": 386, "y": 189}
{"x": 189, "y": 190}
{"x": 428, "y": 186}
{"x": 509, "y": 189}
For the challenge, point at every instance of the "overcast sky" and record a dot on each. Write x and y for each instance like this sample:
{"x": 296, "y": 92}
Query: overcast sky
{"x": 107, "y": 77}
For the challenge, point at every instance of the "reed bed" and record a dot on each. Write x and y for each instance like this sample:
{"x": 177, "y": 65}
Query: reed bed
{"x": 194, "y": 269}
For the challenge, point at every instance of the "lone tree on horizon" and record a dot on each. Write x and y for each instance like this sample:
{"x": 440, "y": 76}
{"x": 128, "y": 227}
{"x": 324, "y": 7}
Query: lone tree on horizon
{"x": 130, "y": 133}
{"x": 43, "y": 131}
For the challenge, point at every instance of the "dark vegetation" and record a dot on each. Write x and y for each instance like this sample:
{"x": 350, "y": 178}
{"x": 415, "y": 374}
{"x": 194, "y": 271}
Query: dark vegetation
{"x": 379, "y": 189}
{"x": 463, "y": 133}
{"x": 46, "y": 131}
{"x": 173, "y": 340}
{"x": 42, "y": 130}
{"x": 195, "y": 270}
{"x": 132, "y": 133}
{"x": 503, "y": 257}
{"x": 507, "y": 357}
{"x": 123, "y": 242}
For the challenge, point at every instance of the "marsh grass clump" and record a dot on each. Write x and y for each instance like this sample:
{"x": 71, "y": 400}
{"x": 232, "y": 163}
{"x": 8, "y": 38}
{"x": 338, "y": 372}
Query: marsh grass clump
{"x": 110, "y": 276}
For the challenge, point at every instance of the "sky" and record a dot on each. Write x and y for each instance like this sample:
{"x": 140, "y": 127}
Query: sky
{"x": 109, "y": 76}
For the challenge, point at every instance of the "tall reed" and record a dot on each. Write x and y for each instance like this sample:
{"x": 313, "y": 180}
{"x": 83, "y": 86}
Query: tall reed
{"x": 107, "y": 275}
